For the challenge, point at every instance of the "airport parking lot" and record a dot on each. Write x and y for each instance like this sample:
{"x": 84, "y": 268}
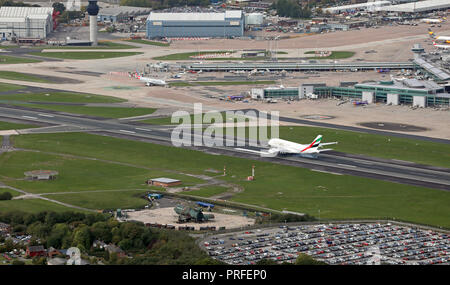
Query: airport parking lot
{"x": 336, "y": 244}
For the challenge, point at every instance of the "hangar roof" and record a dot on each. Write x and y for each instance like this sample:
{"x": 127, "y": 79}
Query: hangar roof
{"x": 22, "y": 12}
{"x": 194, "y": 16}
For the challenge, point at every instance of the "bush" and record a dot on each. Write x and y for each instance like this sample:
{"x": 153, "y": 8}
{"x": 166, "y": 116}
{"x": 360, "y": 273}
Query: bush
{"x": 6, "y": 196}
{"x": 18, "y": 262}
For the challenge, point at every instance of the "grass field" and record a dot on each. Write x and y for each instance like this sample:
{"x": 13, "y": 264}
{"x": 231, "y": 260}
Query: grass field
{"x": 334, "y": 55}
{"x": 61, "y": 97}
{"x": 13, "y": 193}
{"x": 207, "y": 191}
{"x": 105, "y": 112}
{"x": 217, "y": 83}
{"x": 14, "y": 126}
{"x": 12, "y": 75}
{"x": 104, "y": 200}
{"x": 77, "y": 174}
{"x": 186, "y": 55}
{"x": 33, "y": 206}
{"x": 147, "y": 42}
{"x": 85, "y": 55}
{"x": 276, "y": 186}
{"x": 5, "y": 87}
{"x": 6, "y": 59}
{"x": 101, "y": 45}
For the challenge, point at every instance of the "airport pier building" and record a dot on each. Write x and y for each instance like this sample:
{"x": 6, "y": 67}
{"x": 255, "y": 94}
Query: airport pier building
{"x": 193, "y": 25}
{"x": 405, "y": 92}
{"x": 25, "y": 22}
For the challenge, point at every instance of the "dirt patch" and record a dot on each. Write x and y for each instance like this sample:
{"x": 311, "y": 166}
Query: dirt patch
{"x": 317, "y": 117}
{"x": 393, "y": 127}
{"x": 168, "y": 216}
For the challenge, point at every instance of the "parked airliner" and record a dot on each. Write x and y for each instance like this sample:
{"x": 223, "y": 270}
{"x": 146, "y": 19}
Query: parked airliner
{"x": 151, "y": 81}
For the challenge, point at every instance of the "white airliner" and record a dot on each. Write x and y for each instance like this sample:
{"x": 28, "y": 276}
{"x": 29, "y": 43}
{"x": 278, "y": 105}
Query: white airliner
{"x": 151, "y": 81}
{"x": 284, "y": 147}
{"x": 441, "y": 46}
{"x": 445, "y": 39}
{"x": 431, "y": 21}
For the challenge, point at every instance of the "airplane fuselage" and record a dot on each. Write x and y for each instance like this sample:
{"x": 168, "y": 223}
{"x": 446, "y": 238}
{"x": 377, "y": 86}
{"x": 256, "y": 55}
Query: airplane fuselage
{"x": 287, "y": 147}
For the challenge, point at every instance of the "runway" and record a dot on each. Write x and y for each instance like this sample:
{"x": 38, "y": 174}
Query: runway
{"x": 331, "y": 162}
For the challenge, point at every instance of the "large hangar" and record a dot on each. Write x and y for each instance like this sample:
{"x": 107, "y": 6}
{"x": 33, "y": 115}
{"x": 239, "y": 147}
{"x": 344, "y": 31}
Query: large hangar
{"x": 25, "y": 22}
{"x": 207, "y": 25}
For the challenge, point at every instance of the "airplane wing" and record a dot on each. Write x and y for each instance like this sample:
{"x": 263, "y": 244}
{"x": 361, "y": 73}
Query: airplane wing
{"x": 322, "y": 144}
{"x": 322, "y": 150}
{"x": 270, "y": 153}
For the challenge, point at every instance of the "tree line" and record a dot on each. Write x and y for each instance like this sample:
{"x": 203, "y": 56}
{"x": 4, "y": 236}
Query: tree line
{"x": 71, "y": 229}
{"x": 292, "y": 9}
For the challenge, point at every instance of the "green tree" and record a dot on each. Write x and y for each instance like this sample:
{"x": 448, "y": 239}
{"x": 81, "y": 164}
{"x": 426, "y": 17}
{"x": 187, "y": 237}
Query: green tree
{"x": 82, "y": 238}
{"x": 101, "y": 231}
{"x": 39, "y": 261}
{"x": 304, "y": 259}
{"x": 209, "y": 261}
{"x": 59, "y": 7}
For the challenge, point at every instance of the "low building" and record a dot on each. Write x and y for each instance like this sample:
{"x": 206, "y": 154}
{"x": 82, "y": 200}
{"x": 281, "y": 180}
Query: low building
{"x": 121, "y": 13}
{"x": 111, "y": 248}
{"x": 37, "y": 250}
{"x": 41, "y": 174}
{"x": 164, "y": 182}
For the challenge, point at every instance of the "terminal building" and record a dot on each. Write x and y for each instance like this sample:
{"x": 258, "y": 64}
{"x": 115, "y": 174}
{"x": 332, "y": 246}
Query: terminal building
{"x": 25, "y": 22}
{"x": 206, "y": 25}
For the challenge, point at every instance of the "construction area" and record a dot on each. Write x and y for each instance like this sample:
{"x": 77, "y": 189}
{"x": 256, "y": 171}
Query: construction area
{"x": 164, "y": 216}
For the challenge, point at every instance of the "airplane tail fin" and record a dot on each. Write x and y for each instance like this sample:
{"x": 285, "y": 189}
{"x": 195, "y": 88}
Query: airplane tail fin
{"x": 316, "y": 141}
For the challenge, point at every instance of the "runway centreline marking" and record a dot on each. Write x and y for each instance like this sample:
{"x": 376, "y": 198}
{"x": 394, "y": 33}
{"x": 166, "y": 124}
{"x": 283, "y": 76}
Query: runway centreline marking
{"x": 125, "y": 131}
{"x": 28, "y": 117}
{"x": 323, "y": 171}
{"x": 45, "y": 115}
{"x": 348, "y": 165}
{"x": 143, "y": 129}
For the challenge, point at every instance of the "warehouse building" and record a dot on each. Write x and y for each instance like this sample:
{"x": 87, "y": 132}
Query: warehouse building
{"x": 206, "y": 25}
{"x": 25, "y": 22}
{"x": 416, "y": 7}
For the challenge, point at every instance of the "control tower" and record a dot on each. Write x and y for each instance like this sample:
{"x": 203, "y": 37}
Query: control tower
{"x": 92, "y": 10}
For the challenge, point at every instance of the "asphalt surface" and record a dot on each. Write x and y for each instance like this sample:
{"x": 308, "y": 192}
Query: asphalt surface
{"x": 332, "y": 162}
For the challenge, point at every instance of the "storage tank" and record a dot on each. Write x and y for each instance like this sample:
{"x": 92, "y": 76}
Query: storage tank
{"x": 254, "y": 19}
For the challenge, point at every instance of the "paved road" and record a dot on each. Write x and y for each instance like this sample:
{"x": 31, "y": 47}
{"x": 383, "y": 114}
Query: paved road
{"x": 333, "y": 162}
